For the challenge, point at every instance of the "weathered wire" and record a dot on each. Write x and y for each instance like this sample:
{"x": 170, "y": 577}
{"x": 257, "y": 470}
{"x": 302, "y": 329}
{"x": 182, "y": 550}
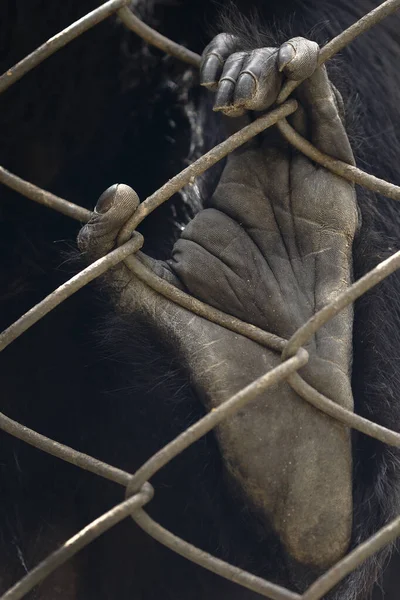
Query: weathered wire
{"x": 67, "y": 289}
{"x": 324, "y": 404}
{"x": 349, "y": 563}
{"x": 346, "y": 37}
{"x": 339, "y": 167}
{"x": 77, "y": 542}
{"x": 211, "y": 563}
{"x": 153, "y": 37}
{"x": 79, "y": 459}
{"x": 350, "y": 295}
{"x": 293, "y": 355}
{"x": 174, "y": 294}
{"x": 316, "y": 591}
{"x": 13, "y": 74}
{"x": 37, "y": 194}
{"x": 214, "y": 418}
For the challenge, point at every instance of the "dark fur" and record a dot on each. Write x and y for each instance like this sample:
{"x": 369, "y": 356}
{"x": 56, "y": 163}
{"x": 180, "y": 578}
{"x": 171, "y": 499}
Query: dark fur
{"x": 98, "y": 112}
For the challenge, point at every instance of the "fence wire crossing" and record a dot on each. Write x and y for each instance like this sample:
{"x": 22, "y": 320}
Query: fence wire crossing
{"x": 139, "y": 491}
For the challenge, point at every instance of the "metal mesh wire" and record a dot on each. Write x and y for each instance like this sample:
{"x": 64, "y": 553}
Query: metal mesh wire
{"x": 138, "y": 489}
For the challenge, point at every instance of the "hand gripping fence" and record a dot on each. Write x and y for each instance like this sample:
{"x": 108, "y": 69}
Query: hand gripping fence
{"x": 138, "y": 489}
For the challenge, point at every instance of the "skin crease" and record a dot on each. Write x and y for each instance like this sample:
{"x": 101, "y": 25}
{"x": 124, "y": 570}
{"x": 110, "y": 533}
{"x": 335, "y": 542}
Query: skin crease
{"x": 125, "y": 400}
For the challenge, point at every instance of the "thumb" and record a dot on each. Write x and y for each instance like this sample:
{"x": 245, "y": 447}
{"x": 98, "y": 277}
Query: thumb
{"x": 114, "y": 207}
{"x": 99, "y": 236}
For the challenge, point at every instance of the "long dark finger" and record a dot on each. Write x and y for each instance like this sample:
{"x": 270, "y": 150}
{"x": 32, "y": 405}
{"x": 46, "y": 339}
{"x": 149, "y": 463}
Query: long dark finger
{"x": 214, "y": 57}
{"x": 227, "y": 82}
{"x": 260, "y": 80}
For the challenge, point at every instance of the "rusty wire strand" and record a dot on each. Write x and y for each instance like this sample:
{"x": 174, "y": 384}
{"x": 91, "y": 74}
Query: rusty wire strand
{"x": 67, "y": 289}
{"x": 153, "y": 37}
{"x": 347, "y": 36}
{"x": 348, "y": 172}
{"x": 339, "y": 413}
{"x": 13, "y": 74}
{"x": 84, "y": 537}
{"x": 79, "y": 459}
{"x": 174, "y": 294}
{"x": 338, "y": 572}
{"x": 214, "y": 417}
{"x": 37, "y": 194}
{"x": 316, "y": 591}
{"x": 211, "y": 563}
{"x": 350, "y": 295}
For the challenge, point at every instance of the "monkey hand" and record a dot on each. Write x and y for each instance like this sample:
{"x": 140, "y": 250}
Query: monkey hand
{"x": 272, "y": 247}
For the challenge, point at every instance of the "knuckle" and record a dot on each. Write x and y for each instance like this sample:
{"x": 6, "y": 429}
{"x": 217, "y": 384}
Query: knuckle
{"x": 234, "y": 59}
{"x": 221, "y": 45}
{"x": 304, "y": 60}
{"x": 224, "y": 39}
{"x": 304, "y": 43}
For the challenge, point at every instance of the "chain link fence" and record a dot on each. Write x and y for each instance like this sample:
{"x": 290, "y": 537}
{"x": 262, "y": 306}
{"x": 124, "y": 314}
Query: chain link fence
{"x": 139, "y": 491}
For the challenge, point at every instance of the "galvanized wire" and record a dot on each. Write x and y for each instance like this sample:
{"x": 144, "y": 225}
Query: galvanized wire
{"x": 138, "y": 489}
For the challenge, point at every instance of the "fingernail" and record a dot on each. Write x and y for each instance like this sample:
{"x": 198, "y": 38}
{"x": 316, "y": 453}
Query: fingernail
{"x": 106, "y": 200}
{"x": 246, "y": 88}
{"x": 285, "y": 56}
{"x": 209, "y": 71}
{"x": 224, "y": 94}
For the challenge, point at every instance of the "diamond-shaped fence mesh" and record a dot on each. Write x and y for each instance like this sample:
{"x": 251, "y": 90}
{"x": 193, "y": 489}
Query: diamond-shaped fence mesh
{"x": 294, "y": 356}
